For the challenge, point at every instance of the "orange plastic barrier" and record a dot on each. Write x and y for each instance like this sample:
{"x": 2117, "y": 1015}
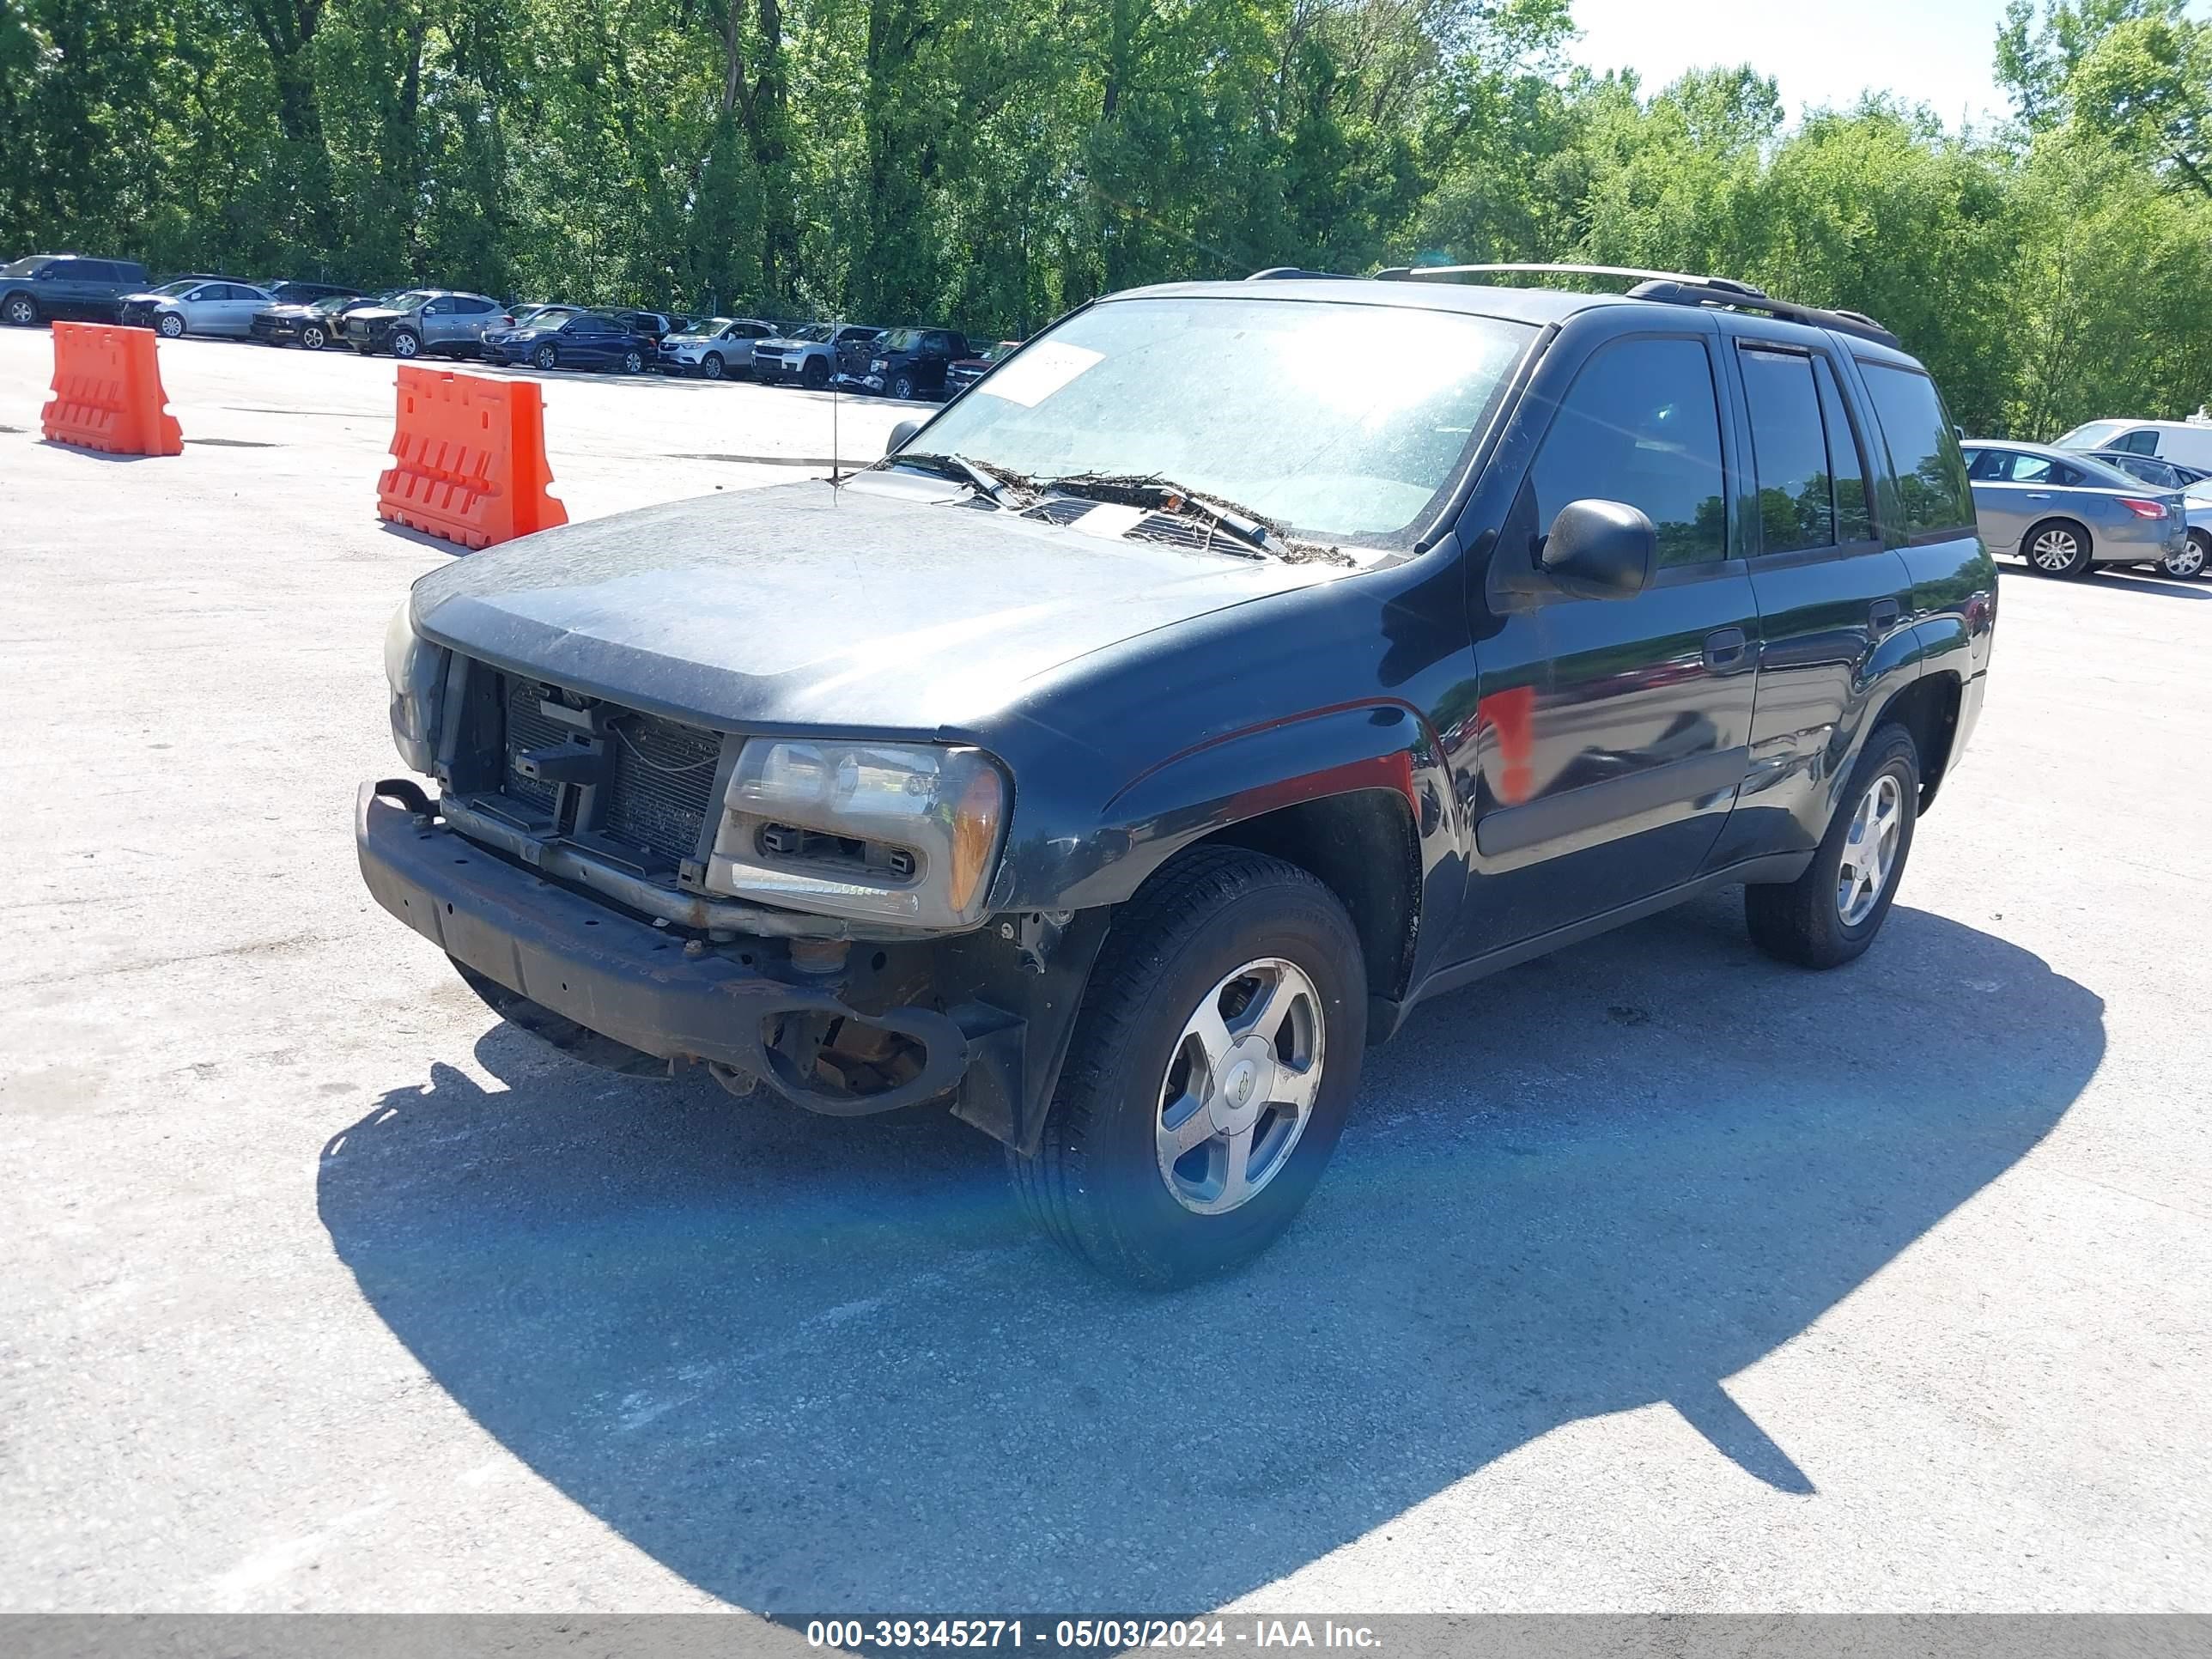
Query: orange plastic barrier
{"x": 469, "y": 459}
{"x": 1510, "y": 715}
{"x": 107, "y": 392}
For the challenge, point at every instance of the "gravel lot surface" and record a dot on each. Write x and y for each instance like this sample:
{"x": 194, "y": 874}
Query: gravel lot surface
{"x": 1650, "y": 1276}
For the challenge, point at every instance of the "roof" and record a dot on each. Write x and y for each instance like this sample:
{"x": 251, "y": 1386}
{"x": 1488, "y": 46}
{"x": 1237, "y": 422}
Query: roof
{"x": 1538, "y": 306}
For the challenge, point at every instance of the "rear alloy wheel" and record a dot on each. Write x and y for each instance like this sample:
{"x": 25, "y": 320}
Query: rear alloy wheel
{"x": 312, "y": 337}
{"x": 633, "y": 362}
{"x": 711, "y": 365}
{"x": 2057, "y": 547}
{"x": 1214, "y": 1060}
{"x": 19, "y": 311}
{"x": 545, "y": 357}
{"x": 405, "y": 344}
{"x": 2190, "y": 560}
{"x": 172, "y": 325}
{"x": 1831, "y": 912}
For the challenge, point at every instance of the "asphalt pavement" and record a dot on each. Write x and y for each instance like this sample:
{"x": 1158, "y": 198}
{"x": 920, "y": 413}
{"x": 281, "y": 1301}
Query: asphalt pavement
{"x": 1652, "y": 1276}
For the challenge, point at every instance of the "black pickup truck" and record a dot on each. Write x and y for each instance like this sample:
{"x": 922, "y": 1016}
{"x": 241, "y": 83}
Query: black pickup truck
{"x": 1238, "y": 665}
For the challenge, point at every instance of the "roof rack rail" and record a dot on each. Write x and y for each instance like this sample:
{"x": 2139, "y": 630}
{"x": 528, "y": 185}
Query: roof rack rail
{"x": 1291, "y": 273}
{"x": 1671, "y": 288}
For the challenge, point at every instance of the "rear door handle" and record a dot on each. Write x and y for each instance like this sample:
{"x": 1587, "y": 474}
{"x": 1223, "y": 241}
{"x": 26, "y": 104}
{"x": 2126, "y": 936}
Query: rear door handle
{"x": 1883, "y": 614}
{"x": 1724, "y": 650}
{"x": 2038, "y": 494}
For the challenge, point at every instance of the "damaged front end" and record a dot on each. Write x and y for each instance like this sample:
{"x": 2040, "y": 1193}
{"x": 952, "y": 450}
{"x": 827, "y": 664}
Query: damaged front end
{"x": 596, "y": 872}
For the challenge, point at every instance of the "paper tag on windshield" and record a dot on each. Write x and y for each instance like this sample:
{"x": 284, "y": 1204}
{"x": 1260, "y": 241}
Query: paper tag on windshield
{"x": 1038, "y": 373}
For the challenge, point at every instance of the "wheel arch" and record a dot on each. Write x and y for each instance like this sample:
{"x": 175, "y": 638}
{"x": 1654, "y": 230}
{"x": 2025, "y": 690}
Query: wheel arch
{"x": 1928, "y": 709}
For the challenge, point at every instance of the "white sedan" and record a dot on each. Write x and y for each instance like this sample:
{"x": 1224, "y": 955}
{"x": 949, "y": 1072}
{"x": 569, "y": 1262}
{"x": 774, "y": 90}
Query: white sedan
{"x": 196, "y": 306}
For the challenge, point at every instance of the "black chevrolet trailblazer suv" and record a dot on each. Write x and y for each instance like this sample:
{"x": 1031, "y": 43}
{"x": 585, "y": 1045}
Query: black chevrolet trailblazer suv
{"x": 1238, "y": 665}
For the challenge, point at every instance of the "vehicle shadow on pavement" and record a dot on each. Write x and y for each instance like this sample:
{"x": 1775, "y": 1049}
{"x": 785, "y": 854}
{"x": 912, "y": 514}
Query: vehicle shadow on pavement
{"x": 2172, "y": 587}
{"x": 821, "y": 1366}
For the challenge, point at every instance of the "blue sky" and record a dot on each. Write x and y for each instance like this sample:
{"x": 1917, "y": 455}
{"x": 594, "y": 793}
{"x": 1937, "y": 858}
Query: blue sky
{"x": 1934, "y": 51}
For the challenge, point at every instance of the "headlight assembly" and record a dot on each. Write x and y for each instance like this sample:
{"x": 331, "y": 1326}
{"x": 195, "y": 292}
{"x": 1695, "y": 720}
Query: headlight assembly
{"x": 906, "y": 832}
{"x": 416, "y": 671}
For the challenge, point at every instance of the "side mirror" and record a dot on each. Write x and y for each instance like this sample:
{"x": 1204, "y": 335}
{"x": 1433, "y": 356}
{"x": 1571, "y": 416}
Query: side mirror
{"x": 1601, "y": 550}
{"x": 902, "y": 435}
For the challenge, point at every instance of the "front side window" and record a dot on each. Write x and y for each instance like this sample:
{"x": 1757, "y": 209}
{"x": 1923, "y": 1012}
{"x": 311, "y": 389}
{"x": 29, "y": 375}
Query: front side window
{"x": 1640, "y": 425}
{"x": 1345, "y": 423}
{"x": 1923, "y": 450}
{"x": 2141, "y": 441}
{"x": 1789, "y": 451}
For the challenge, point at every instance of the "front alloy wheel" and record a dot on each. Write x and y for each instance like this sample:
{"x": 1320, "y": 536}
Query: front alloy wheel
{"x": 1241, "y": 1085}
{"x": 21, "y": 313}
{"x": 404, "y": 344}
{"x": 545, "y": 357}
{"x": 1214, "y": 1058}
{"x": 172, "y": 325}
{"x": 312, "y": 337}
{"x": 711, "y": 366}
{"x": 2190, "y": 560}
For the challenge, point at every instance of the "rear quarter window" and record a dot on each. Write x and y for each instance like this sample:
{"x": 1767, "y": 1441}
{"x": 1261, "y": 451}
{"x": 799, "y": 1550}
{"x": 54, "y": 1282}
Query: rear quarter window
{"x": 1923, "y": 450}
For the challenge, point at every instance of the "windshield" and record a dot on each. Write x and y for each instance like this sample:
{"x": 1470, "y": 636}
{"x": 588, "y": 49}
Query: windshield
{"x": 2093, "y": 434}
{"x": 177, "y": 289}
{"x": 701, "y": 331}
{"x": 1338, "y": 421}
{"x": 331, "y": 302}
{"x": 809, "y": 332}
{"x": 410, "y": 299}
{"x": 25, "y": 267}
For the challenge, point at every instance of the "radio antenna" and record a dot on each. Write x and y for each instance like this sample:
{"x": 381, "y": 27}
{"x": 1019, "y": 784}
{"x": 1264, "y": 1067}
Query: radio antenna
{"x": 836, "y": 467}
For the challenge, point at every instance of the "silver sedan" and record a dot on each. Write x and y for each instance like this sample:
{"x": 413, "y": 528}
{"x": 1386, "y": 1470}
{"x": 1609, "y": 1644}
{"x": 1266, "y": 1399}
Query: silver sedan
{"x": 2066, "y": 514}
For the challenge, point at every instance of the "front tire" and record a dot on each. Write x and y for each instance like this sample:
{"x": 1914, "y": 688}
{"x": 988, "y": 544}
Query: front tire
{"x": 313, "y": 338}
{"x": 2057, "y": 547}
{"x": 903, "y": 388}
{"x": 1831, "y": 912}
{"x": 1215, "y": 1061}
{"x": 2190, "y": 562}
{"x": 711, "y": 365}
{"x": 171, "y": 325}
{"x": 405, "y": 345}
{"x": 21, "y": 311}
{"x": 544, "y": 358}
{"x": 814, "y": 375}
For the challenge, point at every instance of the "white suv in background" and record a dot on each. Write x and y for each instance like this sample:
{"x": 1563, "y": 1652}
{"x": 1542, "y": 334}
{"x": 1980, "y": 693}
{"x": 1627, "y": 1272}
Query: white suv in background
{"x": 715, "y": 348}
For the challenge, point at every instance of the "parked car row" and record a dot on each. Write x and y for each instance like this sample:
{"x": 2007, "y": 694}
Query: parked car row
{"x": 913, "y": 362}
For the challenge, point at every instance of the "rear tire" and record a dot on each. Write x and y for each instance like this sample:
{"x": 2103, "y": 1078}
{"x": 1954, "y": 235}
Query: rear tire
{"x": 1101, "y": 1184}
{"x": 2189, "y": 564}
{"x": 633, "y": 362}
{"x": 1823, "y": 919}
{"x": 2057, "y": 547}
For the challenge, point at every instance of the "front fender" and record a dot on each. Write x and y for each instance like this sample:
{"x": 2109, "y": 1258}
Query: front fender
{"x": 1238, "y": 777}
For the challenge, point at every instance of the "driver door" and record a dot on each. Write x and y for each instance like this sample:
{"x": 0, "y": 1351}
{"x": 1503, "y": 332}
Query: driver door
{"x": 1611, "y": 734}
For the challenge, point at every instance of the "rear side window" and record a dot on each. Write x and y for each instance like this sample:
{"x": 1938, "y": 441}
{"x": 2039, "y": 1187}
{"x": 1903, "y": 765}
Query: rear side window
{"x": 1931, "y": 477}
{"x": 1640, "y": 425}
{"x": 474, "y": 307}
{"x": 1846, "y": 459}
{"x": 1789, "y": 451}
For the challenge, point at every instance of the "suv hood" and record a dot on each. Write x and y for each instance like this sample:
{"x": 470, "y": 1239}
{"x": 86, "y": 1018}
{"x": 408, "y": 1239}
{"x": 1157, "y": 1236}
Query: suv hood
{"x": 889, "y": 605}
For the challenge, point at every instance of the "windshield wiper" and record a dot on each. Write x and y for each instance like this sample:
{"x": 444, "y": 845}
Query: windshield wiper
{"x": 1149, "y": 489}
{"x": 959, "y": 466}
